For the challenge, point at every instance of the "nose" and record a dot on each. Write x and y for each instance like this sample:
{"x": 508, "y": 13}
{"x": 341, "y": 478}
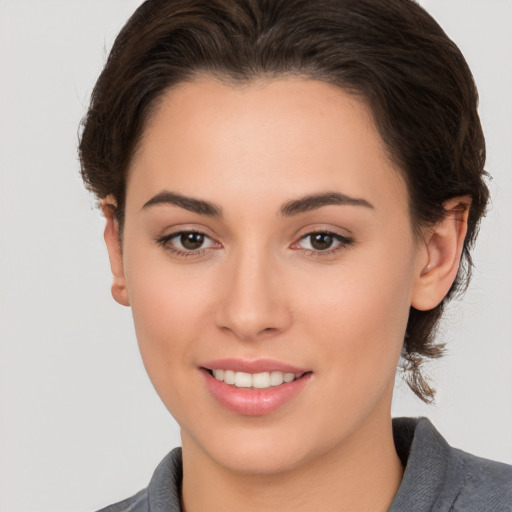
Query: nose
{"x": 253, "y": 301}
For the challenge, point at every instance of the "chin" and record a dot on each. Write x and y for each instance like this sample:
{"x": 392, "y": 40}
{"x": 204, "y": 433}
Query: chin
{"x": 252, "y": 459}
{"x": 266, "y": 450}
{"x": 245, "y": 445}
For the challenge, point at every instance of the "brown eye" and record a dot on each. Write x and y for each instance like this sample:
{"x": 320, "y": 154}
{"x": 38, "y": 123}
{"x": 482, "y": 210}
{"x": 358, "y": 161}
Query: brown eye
{"x": 191, "y": 241}
{"x": 188, "y": 243}
{"x": 321, "y": 241}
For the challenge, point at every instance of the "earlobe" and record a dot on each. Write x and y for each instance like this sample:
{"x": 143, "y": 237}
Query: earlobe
{"x": 443, "y": 244}
{"x": 115, "y": 253}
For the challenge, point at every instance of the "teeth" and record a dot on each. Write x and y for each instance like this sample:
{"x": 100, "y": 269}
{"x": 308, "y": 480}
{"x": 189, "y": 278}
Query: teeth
{"x": 261, "y": 380}
{"x": 243, "y": 380}
{"x": 257, "y": 380}
{"x": 229, "y": 376}
{"x": 276, "y": 378}
{"x": 218, "y": 374}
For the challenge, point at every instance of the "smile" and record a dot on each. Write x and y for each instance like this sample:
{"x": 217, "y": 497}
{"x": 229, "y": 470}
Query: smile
{"x": 258, "y": 380}
{"x": 254, "y": 388}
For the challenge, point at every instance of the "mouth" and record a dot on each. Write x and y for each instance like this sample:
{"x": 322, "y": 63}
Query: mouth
{"x": 261, "y": 380}
{"x": 254, "y": 388}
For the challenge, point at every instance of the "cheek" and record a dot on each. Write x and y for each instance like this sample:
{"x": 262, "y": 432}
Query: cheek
{"x": 170, "y": 311}
{"x": 358, "y": 318}
{"x": 162, "y": 308}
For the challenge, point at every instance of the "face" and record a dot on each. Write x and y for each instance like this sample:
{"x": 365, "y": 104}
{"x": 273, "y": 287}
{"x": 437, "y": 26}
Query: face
{"x": 267, "y": 236}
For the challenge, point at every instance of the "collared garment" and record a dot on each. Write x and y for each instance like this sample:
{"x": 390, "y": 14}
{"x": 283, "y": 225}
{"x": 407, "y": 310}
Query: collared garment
{"x": 437, "y": 477}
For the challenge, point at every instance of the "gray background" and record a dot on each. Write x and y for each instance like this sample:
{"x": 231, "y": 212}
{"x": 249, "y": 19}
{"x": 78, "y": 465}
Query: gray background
{"x": 80, "y": 424}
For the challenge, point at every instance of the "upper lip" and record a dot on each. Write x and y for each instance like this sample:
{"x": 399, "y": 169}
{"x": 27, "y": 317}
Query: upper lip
{"x": 256, "y": 366}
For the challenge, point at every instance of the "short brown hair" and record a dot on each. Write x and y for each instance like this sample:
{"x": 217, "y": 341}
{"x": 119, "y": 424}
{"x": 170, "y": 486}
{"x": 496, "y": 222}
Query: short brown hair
{"x": 390, "y": 53}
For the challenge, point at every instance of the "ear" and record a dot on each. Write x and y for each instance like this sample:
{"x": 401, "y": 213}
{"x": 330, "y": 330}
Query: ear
{"x": 443, "y": 244}
{"x": 115, "y": 252}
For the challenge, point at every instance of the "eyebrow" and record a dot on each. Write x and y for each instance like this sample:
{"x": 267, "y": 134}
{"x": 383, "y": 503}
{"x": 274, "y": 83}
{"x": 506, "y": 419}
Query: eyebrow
{"x": 290, "y": 208}
{"x": 188, "y": 203}
{"x": 316, "y": 201}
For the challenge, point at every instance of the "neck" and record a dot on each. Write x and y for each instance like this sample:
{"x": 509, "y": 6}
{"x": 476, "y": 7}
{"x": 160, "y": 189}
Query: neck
{"x": 363, "y": 474}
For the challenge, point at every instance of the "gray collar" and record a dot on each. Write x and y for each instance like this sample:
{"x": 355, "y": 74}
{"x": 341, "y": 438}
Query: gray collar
{"x": 436, "y": 478}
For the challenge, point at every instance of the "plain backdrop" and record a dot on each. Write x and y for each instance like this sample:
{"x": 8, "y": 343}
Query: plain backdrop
{"x": 80, "y": 424}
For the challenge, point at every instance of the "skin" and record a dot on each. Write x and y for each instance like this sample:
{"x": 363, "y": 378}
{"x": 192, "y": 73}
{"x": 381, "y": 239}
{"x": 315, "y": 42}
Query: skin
{"x": 255, "y": 289}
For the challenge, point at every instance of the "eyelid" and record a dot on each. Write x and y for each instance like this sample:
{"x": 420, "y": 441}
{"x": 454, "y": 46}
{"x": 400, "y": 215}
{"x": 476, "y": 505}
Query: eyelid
{"x": 343, "y": 242}
{"x": 323, "y": 227}
{"x": 165, "y": 242}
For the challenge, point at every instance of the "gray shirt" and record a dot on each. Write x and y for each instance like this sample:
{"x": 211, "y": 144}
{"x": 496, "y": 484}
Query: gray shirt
{"x": 437, "y": 477}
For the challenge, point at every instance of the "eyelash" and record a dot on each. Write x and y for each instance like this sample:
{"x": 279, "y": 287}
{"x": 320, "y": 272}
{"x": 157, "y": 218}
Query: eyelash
{"x": 343, "y": 243}
{"x": 165, "y": 242}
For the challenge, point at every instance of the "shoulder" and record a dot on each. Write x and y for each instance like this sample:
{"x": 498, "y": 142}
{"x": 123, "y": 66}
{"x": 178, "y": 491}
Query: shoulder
{"x": 442, "y": 478}
{"x": 137, "y": 503}
{"x": 485, "y": 484}
{"x": 162, "y": 493}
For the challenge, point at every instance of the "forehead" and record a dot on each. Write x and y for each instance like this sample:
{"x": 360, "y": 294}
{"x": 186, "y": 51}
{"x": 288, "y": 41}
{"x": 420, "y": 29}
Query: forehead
{"x": 294, "y": 134}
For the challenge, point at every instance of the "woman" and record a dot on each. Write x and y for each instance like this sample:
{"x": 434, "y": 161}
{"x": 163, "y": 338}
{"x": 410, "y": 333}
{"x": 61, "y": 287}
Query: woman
{"x": 291, "y": 192}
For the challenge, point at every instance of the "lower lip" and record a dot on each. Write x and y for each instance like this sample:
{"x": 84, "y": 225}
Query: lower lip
{"x": 254, "y": 402}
